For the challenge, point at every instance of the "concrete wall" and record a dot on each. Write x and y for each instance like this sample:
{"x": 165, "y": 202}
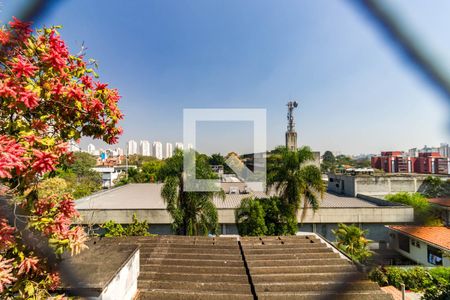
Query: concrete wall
{"x": 160, "y": 220}
{"x": 375, "y": 185}
{"x": 124, "y": 284}
{"x": 417, "y": 254}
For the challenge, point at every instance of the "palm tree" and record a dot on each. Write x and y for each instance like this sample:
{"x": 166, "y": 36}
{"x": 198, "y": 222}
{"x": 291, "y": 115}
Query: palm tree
{"x": 193, "y": 213}
{"x": 294, "y": 179}
{"x": 351, "y": 239}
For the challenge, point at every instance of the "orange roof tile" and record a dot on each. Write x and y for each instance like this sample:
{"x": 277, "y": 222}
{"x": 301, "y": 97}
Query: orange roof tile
{"x": 444, "y": 201}
{"x": 438, "y": 236}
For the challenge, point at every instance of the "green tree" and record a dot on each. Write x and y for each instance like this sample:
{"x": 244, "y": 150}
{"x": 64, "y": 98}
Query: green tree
{"x": 250, "y": 218}
{"x": 328, "y": 162}
{"x": 193, "y": 213}
{"x": 82, "y": 163}
{"x": 351, "y": 239}
{"x": 280, "y": 219}
{"x": 265, "y": 216}
{"x": 436, "y": 187}
{"x": 151, "y": 170}
{"x": 294, "y": 179}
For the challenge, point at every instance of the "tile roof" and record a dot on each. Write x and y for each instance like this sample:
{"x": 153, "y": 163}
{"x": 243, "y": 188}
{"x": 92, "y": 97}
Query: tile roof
{"x": 443, "y": 201}
{"x": 438, "y": 236}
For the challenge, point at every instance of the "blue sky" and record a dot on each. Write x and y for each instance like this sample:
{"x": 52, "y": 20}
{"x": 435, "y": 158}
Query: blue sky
{"x": 357, "y": 94}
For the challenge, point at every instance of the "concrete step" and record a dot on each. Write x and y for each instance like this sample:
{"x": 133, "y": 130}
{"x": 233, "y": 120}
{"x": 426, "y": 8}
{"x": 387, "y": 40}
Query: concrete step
{"x": 178, "y": 276}
{"x": 308, "y": 277}
{"x": 286, "y": 251}
{"x": 365, "y": 285}
{"x": 192, "y": 262}
{"x": 189, "y": 250}
{"x": 302, "y": 269}
{"x": 288, "y": 256}
{"x": 192, "y": 256}
{"x": 285, "y": 247}
{"x": 183, "y": 295}
{"x": 278, "y": 238}
{"x": 281, "y": 242}
{"x": 185, "y": 245}
{"x": 193, "y": 270}
{"x": 370, "y": 295}
{"x": 297, "y": 262}
{"x": 238, "y": 288}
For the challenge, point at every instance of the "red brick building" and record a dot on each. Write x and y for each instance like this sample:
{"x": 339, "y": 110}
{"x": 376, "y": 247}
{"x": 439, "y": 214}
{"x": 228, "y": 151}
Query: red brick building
{"x": 398, "y": 162}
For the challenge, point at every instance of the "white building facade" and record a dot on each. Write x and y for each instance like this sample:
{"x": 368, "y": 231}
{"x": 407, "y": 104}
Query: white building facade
{"x": 179, "y": 145}
{"x": 144, "y": 148}
{"x": 132, "y": 147}
{"x": 91, "y": 149}
{"x": 169, "y": 150}
{"x": 444, "y": 149}
{"x": 157, "y": 150}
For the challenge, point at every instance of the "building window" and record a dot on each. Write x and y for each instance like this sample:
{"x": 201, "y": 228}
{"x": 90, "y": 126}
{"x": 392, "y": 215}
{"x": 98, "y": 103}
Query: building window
{"x": 415, "y": 243}
{"x": 403, "y": 242}
{"x": 331, "y": 179}
{"x": 434, "y": 256}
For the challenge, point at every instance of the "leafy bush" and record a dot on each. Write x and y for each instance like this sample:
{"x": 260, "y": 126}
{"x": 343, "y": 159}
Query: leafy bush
{"x": 250, "y": 218}
{"x": 423, "y": 211}
{"x": 134, "y": 229}
{"x": 437, "y": 292}
{"x": 351, "y": 239}
{"x": 265, "y": 216}
{"x": 280, "y": 218}
{"x": 434, "y": 282}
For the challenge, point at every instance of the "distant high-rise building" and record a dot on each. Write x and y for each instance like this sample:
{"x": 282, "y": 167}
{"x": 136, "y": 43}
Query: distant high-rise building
{"x": 190, "y": 147}
{"x": 157, "y": 150}
{"x": 132, "y": 147}
{"x": 169, "y": 150}
{"x": 91, "y": 149}
{"x": 74, "y": 146}
{"x": 144, "y": 148}
{"x": 119, "y": 151}
{"x": 444, "y": 149}
{"x": 413, "y": 152}
{"x": 179, "y": 146}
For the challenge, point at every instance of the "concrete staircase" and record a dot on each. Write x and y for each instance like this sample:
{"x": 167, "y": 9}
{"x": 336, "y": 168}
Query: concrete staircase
{"x": 174, "y": 267}
{"x": 303, "y": 267}
{"x": 294, "y": 267}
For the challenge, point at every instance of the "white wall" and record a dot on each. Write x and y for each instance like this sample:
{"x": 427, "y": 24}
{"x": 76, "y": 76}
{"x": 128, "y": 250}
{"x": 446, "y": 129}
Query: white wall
{"x": 417, "y": 254}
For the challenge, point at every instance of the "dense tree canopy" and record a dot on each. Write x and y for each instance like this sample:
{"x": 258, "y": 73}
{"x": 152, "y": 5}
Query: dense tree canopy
{"x": 47, "y": 97}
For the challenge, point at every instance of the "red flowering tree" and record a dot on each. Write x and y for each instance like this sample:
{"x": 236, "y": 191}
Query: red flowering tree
{"x": 47, "y": 98}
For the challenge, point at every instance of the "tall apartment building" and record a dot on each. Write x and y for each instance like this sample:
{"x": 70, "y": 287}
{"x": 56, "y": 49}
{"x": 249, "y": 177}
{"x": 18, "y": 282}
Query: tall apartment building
{"x": 144, "y": 148}
{"x": 119, "y": 151}
{"x": 132, "y": 147}
{"x": 427, "y": 162}
{"x": 157, "y": 150}
{"x": 179, "y": 146}
{"x": 444, "y": 149}
{"x": 169, "y": 150}
{"x": 91, "y": 149}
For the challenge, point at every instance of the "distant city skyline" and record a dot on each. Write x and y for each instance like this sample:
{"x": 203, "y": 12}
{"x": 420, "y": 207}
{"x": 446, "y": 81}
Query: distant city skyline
{"x": 356, "y": 93}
